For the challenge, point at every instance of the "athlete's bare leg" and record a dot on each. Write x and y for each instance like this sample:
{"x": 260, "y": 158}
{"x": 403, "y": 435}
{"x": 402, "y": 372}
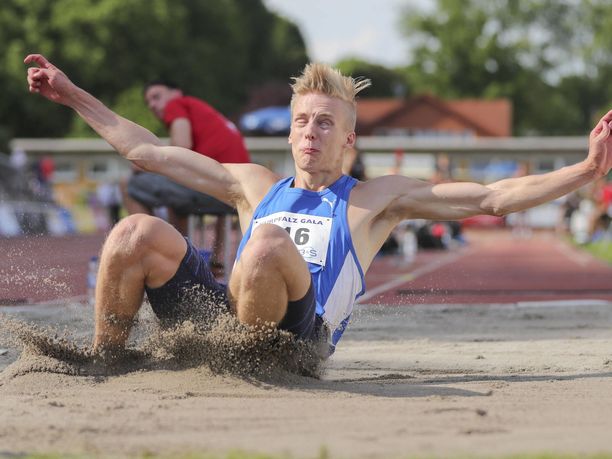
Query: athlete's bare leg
{"x": 140, "y": 250}
{"x": 143, "y": 250}
{"x": 269, "y": 273}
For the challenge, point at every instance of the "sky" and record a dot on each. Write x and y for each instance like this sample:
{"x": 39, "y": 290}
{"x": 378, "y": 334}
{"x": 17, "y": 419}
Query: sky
{"x": 335, "y": 29}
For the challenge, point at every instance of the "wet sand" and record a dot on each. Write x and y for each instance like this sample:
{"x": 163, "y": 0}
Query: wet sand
{"x": 435, "y": 379}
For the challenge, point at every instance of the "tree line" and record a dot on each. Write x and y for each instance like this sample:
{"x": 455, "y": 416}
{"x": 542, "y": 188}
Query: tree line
{"x": 551, "y": 58}
{"x": 219, "y": 50}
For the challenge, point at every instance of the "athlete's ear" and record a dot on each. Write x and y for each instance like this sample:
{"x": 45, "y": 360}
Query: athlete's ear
{"x": 350, "y": 139}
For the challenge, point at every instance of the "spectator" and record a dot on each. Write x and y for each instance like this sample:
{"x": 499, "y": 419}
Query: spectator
{"x": 569, "y": 205}
{"x": 44, "y": 169}
{"x": 602, "y": 214}
{"x": 19, "y": 159}
{"x": 109, "y": 197}
{"x": 195, "y": 125}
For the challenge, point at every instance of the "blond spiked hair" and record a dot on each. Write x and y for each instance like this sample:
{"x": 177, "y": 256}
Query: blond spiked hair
{"x": 326, "y": 80}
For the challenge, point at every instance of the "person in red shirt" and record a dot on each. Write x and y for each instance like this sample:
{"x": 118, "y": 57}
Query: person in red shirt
{"x": 195, "y": 125}
{"x": 606, "y": 197}
{"x": 601, "y": 221}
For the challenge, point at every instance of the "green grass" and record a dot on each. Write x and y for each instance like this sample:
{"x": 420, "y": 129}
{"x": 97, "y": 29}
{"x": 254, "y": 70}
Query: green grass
{"x": 601, "y": 250}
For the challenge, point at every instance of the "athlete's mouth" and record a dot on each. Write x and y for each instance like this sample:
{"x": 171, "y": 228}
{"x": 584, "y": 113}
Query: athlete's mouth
{"x": 310, "y": 150}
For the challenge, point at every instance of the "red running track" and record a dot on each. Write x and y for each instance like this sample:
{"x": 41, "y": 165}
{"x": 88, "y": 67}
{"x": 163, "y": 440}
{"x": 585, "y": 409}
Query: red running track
{"x": 45, "y": 268}
{"x": 494, "y": 267}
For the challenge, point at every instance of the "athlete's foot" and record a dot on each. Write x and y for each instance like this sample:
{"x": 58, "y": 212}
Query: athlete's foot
{"x": 108, "y": 354}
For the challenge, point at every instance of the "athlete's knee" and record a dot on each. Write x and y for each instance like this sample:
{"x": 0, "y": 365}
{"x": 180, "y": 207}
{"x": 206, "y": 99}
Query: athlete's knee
{"x": 268, "y": 243}
{"x": 134, "y": 236}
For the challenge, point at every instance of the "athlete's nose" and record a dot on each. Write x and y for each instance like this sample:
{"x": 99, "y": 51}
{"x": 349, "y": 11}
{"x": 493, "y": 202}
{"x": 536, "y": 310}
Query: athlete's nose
{"x": 309, "y": 131}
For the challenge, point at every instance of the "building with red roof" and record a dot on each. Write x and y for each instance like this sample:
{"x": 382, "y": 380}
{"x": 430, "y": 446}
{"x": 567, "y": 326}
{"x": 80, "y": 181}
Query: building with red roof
{"x": 429, "y": 116}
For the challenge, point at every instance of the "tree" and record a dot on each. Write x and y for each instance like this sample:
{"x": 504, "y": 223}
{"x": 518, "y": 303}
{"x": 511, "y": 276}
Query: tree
{"x": 214, "y": 50}
{"x": 531, "y": 51}
{"x": 599, "y": 51}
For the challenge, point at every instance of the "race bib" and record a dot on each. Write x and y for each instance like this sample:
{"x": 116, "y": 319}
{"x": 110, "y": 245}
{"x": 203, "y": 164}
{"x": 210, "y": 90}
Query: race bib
{"x": 309, "y": 233}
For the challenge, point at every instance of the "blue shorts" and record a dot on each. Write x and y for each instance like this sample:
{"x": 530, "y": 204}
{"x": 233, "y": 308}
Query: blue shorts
{"x": 194, "y": 294}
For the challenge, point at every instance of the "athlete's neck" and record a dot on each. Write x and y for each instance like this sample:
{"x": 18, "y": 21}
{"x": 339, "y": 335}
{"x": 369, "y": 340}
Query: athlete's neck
{"x": 315, "y": 182}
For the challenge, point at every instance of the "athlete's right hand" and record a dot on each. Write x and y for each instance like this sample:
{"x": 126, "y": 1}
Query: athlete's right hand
{"x": 47, "y": 80}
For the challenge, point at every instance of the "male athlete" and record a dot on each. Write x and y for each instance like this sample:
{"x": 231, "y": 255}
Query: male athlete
{"x": 308, "y": 239}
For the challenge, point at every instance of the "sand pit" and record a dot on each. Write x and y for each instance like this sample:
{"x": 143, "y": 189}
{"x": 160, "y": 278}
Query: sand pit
{"x": 404, "y": 380}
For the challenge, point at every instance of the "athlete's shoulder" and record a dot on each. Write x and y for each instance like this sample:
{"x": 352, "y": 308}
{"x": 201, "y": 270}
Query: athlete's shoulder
{"x": 378, "y": 193}
{"x": 375, "y": 185}
{"x": 255, "y": 180}
{"x": 252, "y": 172}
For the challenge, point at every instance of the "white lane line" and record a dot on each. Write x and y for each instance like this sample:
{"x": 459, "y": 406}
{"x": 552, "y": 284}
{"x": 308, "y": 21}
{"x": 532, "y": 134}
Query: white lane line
{"x": 563, "y": 303}
{"x": 577, "y": 256}
{"x": 61, "y": 301}
{"x": 432, "y": 266}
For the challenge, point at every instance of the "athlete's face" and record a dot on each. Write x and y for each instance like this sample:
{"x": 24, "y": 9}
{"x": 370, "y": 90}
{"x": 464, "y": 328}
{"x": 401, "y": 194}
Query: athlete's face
{"x": 320, "y": 132}
{"x": 157, "y": 97}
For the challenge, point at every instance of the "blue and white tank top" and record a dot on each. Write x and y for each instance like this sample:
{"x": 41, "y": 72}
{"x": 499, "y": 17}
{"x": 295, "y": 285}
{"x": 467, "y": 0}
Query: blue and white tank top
{"x": 317, "y": 224}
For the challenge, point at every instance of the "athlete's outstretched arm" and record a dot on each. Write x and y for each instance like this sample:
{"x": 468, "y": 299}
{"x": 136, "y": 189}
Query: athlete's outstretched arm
{"x": 416, "y": 199}
{"x": 139, "y": 145}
